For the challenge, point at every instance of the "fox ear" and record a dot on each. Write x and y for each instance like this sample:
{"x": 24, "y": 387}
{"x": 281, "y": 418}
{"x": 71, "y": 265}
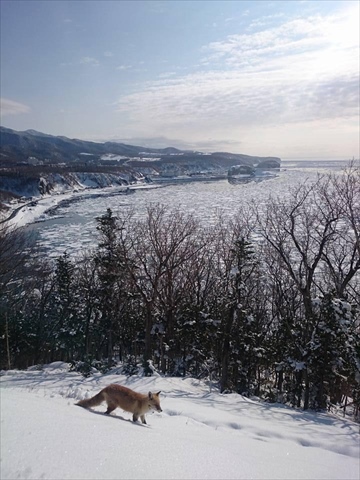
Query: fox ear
{"x": 150, "y": 395}
{"x": 158, "y": 393}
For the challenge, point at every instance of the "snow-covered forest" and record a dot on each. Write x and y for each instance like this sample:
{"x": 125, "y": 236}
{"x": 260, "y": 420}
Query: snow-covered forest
{"x": 264, "y": 304}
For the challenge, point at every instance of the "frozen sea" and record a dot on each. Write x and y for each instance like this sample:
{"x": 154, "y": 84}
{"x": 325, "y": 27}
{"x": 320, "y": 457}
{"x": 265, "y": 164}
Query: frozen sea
{"x": 71, "y": 226}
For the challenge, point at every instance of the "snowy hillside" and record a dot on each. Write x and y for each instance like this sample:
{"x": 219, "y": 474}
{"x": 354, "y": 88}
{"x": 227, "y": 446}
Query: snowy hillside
{"x": 200, "y": 434}
{"x": 54, "y": 183}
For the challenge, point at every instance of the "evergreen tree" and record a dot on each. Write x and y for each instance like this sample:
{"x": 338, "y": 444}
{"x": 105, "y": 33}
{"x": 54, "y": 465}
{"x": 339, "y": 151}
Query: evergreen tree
{"x": 112, "y": 279}
{"x": 238, "y": 338}
{"x": 333, "y": 350}
{"x": 66, "y": 307}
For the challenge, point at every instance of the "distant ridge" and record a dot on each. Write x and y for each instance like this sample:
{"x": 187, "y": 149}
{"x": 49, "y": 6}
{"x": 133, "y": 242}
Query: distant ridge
{"x": 17, "y": 146}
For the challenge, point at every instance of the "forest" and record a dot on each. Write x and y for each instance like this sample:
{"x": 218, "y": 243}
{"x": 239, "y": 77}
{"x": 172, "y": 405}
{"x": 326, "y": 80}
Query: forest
{"x": 265, "y": 304}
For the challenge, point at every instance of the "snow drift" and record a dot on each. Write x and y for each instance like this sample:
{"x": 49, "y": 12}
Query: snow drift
{"x": 200, "y": 434}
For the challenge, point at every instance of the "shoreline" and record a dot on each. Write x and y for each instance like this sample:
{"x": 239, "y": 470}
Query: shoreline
{"x": 31, "y": 211}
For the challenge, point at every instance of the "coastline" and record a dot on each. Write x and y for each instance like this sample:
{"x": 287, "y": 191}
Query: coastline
{"x": 32, "y": 211}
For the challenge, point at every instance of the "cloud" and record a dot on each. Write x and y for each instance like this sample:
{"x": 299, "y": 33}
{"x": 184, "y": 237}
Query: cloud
{"x": 123, "y": 67}
{"x": 108, "y": 54}
{"x": 303, "y": 70}
{"x": 217, "y": 99}
{"x": 338, "y": 34}
{"x": 91, "y": 61}
{"x": 9, "y": 107}
{"x": 167, "y": 74}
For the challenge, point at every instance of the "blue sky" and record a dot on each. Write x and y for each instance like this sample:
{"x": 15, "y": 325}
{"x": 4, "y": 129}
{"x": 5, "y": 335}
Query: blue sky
{"x": 261, "y": 77}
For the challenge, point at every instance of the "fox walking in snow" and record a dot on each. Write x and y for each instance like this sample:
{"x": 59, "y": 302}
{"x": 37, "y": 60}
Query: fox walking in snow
{"x": 118, "y": 396}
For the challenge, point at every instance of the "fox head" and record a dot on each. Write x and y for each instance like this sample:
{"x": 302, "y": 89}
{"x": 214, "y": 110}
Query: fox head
{"x": 154, "y": 401}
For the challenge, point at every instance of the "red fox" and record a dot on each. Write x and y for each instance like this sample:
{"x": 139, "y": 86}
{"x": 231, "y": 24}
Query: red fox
{"x": 118, "y": 396}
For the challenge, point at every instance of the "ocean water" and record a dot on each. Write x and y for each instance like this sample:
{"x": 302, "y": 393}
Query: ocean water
{"x": 72, "y": 226}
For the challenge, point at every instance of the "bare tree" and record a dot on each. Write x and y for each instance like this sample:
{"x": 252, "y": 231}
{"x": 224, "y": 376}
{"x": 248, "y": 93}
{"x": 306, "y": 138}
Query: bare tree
{"x": 342, "y": 256}
{"x": 13, "y": 254}
{"x": 312, "y": 233}
{"x": 155, "y": 251}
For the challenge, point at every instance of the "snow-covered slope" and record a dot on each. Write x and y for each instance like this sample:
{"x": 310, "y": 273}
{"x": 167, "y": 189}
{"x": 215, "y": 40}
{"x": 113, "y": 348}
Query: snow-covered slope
{"x": 200, "y": 434}
{"x": 53, "y": 183}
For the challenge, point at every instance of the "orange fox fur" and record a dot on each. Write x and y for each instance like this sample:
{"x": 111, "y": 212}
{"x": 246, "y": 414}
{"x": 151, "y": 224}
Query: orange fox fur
{"x": 118, "y": 396}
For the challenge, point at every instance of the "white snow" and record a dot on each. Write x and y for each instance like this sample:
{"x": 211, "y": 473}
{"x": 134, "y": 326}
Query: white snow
{"x": 34, "y": 211}
{"x": 31, "y": 212}
{"x": 201, "y": 434}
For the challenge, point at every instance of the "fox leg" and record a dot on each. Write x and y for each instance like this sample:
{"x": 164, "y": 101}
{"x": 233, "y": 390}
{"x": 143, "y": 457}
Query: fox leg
{"x": 143, "y": 418}
{"x": 135, "y": 417}
{"x": 110, "y": 408}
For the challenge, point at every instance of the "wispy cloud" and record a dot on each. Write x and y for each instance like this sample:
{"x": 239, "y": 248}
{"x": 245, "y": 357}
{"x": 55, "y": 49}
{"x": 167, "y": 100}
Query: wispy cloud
{"x": 91, "y": 61}
{"x": 108, "y": 54}
{"x": 221, "y": 99}
{"x": 10, "y": 107}
{"x": 124, "y": 67}
{"x": 303, "y": 70}
{"x": 265, "y": 20}
{"x": 167, "y": 74}
{"x": 336, "y": 34}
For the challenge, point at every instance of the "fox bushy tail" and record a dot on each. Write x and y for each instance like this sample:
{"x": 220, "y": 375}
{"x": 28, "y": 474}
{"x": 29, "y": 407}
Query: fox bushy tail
{"x": 93, "y": 401}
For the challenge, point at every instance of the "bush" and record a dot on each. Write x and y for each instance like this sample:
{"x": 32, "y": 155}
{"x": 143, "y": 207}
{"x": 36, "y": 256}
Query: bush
{"x": 88, "y": 367}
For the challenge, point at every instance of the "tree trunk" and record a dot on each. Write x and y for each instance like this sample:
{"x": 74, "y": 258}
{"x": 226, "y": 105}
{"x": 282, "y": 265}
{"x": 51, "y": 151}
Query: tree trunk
{"x": 148, "y": 326}
{"x": 110, "y": 347}
{"x": 7, "y": 343}
{"x": 298, "y": 388}
{"x": 224, "y": 380}
{"x": 280, "y": 381}
{"x": 307, "y": 390}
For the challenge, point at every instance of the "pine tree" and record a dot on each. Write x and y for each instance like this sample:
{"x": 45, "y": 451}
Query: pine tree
{"x": 238, "y": 341}
{"x": 65, "y": 305}
{"x": 111, "y": 273}
{"x": 332, "y": 350}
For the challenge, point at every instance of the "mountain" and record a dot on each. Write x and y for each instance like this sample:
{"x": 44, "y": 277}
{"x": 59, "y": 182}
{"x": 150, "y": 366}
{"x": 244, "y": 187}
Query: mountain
{"x": 33, "y": 163}
{"x": 17, "y": 147}
{"x": 56, "y": 149}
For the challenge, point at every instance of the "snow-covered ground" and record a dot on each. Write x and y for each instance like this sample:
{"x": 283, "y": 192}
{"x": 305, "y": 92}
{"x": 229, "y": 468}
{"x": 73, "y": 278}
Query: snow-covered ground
{"x": 30, "y": 211}
{"x": 201, "y": 434}
{"x": 27, "y": 212}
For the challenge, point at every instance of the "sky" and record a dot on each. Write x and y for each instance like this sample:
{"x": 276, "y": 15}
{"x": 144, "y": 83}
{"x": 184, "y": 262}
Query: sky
{"x": 200, "y": 434}
{"x": 277, "y": 78}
